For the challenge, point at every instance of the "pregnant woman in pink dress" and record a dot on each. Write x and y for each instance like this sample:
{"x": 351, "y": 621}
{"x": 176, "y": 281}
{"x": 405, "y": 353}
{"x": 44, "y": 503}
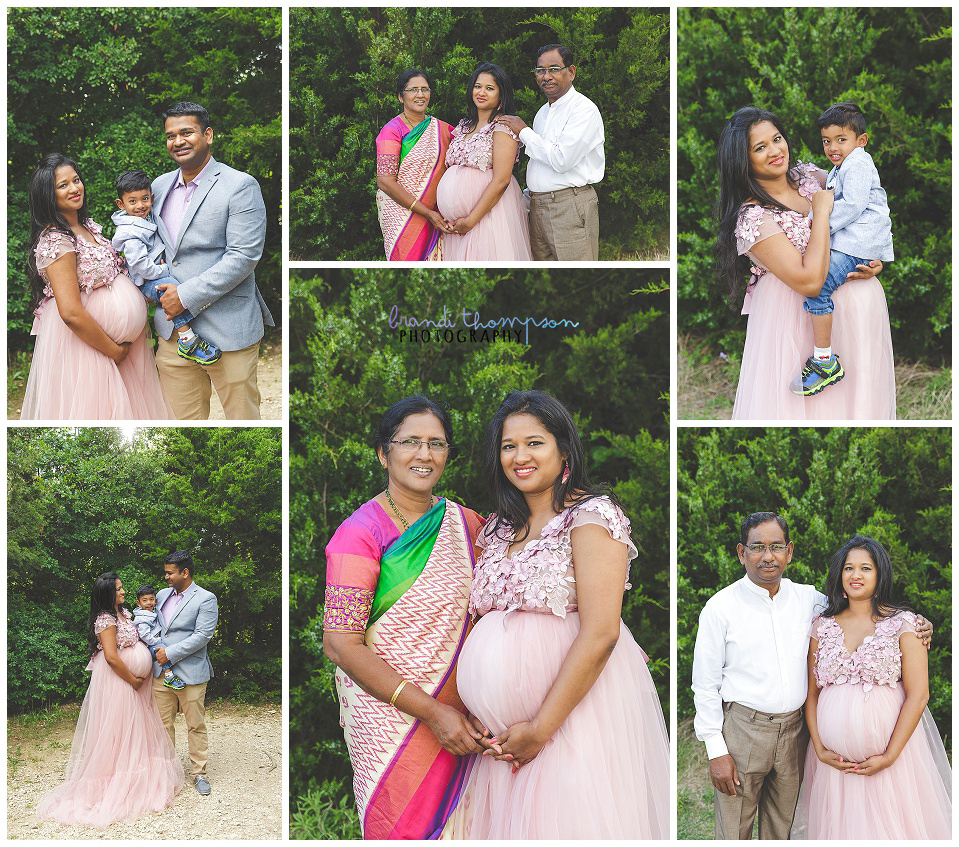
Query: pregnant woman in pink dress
{"x": 876, "y": 767}
{"x": 478, "y": 194}
{"x": 122, "y": 763}
{"x": 774, "y": 224}
{"x": 549, "y": 668}
{"x": 92, "y": 359}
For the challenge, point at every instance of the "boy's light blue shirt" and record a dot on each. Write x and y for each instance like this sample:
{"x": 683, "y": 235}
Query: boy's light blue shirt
{"x": 859, "y": 223}
{"x": 148, "y": 626}
{"x": 138, "y": 240}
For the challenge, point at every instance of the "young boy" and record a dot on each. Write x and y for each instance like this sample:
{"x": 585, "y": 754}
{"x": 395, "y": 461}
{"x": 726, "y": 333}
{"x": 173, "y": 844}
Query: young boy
{"x": 148, "y": 626}
{"x": 859, "y": 231}
{"x": 136, "y": 237}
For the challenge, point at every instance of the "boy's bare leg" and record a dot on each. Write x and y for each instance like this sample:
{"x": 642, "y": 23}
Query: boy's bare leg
{"x": 822, "y": 330}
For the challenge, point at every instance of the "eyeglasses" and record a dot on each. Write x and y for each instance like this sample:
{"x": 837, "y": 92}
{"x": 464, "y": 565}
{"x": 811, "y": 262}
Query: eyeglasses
{"x": 411, "y": 445}
{"x": 423, "y": 90}
{"x": 552, "y": 70}
{"x": 775, "y": 549}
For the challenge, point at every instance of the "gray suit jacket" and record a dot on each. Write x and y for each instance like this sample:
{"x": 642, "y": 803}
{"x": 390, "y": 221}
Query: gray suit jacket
{"x": 188, "y": 632}
{"x": 220, "y": 241}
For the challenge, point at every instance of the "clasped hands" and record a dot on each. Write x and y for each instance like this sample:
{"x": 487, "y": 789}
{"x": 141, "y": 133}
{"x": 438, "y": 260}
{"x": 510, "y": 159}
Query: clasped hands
{"x": 869, "y": 767}
{"x": 461, "y": 735}
{"x": 458, "y": 226}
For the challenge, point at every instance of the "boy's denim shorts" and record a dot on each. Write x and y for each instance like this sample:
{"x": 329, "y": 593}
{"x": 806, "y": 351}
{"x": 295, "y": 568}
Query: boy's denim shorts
{"x": 839, "y": 265}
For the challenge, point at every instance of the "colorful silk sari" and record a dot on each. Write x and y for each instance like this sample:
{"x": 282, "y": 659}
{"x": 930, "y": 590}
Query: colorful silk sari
{"x": 409, "y": 593}
{"x": 416, "y": 157}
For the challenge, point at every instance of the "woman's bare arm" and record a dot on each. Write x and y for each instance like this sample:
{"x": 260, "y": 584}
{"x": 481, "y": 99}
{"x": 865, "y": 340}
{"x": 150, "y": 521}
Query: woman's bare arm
{"x": 803, "y": 272}
{"x": 348, "y": 651}
{"x": 62, "y": 275}
{"x": 826, "y": 756}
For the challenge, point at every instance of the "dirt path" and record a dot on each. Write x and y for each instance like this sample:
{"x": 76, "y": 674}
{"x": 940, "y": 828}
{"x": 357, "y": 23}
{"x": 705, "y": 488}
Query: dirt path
{"x": 269, "y": 380}
{"x": 245, "y": 772}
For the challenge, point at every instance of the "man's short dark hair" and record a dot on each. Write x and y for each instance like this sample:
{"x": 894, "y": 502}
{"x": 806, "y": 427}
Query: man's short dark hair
{"x": 131, "y": 181}
{"x": 758, "y": 518}
{"x": 565, "y": 53}
{"x": 143, "y": 590}
{"x": 194, "y": 110}
{"x": 845, "y": 115}
{"x": 181, "y": 560}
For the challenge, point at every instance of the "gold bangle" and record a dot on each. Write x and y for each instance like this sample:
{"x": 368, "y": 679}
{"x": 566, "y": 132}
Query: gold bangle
{"x": 412, "y": 204}
{"x": 396, "y": 693}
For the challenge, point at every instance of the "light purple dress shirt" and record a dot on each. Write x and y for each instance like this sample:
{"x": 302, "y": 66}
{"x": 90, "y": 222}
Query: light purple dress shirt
{"x": 177, "y": 199}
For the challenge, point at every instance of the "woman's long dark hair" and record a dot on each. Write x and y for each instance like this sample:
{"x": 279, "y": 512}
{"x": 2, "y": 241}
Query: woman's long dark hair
{"x": 103, "y": 600}
{"x": 505, "y": 106}
{"x": 883, "y": 604}
{"x": 737, "y": 185}
{"x": 512, "y": 512}
{"x": 44, "y": 214}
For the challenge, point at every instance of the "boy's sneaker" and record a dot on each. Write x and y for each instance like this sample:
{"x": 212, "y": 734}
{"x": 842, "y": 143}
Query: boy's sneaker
{"x": 171, "y": 680}
{"x": 817, "y": 375}
{"x": 198, "y": 350}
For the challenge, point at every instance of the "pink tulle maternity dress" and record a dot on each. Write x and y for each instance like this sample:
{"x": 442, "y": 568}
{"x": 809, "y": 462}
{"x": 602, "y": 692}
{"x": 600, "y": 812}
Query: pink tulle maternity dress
{"x": 856, "y": 713}
{"x": 503, "y": 232}
{"x": 779, "y": 333}
{"x": 605, "y": 772}
{"x": 122, "y": 763}
{"x": 70, "y": 380}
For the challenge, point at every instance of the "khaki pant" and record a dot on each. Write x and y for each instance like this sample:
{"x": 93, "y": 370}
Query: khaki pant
{"x": 188, "y": 700}
{"x": 768, "y": 751}
{"x": 564, "y": 225}
{"x": 188, "y": 386}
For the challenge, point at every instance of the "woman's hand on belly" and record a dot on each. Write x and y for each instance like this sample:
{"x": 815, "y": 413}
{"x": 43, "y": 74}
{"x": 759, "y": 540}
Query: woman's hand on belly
{"x": 834, "y": 760}
{"x": 123, "y": 350}
{"x": 872, "y": 765}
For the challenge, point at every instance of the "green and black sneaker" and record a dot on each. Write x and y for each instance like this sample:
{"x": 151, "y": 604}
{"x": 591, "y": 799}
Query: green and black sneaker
{"x": 817, "y": 375}
{"x": 198, "y": 350}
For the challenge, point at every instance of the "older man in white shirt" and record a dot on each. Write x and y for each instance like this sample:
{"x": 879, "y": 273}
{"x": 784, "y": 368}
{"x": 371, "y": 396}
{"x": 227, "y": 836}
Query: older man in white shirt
{"x": 566, "y": 158}
{"x": 749, "y": 684}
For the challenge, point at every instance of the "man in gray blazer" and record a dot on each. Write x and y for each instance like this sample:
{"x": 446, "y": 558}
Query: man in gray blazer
{"x": 187, "y": 615}
{"x": 212, "y": 221}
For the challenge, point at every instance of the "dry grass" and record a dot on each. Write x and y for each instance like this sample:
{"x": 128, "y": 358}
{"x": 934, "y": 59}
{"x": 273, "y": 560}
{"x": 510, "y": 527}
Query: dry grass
{"x": 694, "y": 792}
{"x": 706, "y": 385}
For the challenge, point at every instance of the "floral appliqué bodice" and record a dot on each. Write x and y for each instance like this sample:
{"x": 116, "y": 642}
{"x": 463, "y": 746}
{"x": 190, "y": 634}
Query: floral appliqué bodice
{"x": 757, "y": 223}
{"x": 540, "y": 577}
{"x": 877, "y": 661}
{"x": 476, "y": 150}
{"x": 127, "y": 634}
{"x": 98, "y": 264}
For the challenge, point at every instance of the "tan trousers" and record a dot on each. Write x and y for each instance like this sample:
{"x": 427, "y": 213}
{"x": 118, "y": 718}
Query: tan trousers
{"x": 564, "y": 225}
{"x": 188, "y": 386}
{"x": 768, "y": 751}
{"x": 189, "y": 701}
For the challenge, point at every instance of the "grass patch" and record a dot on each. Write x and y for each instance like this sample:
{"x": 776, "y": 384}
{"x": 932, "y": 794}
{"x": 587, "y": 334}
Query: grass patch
{"x": 694, "y": 791}
{"x": 18, "y": 367}
{"x": 326, "y": 813}
{"x": 706, "y": 380}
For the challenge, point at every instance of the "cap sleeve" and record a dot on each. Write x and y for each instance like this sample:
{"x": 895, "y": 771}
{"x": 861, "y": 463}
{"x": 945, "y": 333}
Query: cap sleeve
{"x": 605, "y": 513}
{"x": 755, "y": 224}
{"x": 498, "y": 127}
{"x": 102, "y": 622}
{"x": 52, "y": 245}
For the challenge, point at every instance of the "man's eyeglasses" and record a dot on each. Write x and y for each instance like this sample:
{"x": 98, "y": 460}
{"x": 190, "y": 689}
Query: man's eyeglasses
{"x": 552, "y": 70}
{"x": 775, "y": 549}
{"x": 411, "y": 445}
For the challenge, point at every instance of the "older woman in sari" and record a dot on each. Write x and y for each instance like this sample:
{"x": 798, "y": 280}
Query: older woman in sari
{"x": 397, "y": 590}
{"x": 410, "y": 159}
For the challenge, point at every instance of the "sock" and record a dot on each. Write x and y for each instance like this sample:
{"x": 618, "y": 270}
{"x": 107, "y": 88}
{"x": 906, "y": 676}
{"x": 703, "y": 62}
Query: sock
{"x": 186, "y": 334}
{"x": 822, "y": 352}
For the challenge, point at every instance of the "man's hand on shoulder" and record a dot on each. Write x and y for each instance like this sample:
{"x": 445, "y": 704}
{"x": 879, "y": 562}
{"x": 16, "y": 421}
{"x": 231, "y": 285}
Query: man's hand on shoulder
{"x": 514, "y": 122}
{"x": 723, "y": 774}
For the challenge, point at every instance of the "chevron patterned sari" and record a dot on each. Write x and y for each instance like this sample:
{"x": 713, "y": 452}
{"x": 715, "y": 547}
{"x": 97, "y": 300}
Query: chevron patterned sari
{"x": 409, "y": 594}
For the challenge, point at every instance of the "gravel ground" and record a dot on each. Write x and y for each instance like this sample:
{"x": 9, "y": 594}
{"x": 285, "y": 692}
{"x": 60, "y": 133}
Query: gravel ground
{"x": 244, "y": 770}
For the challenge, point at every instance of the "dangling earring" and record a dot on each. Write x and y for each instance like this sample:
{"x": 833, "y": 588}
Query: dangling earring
{"x": 565, "y": 477}
{"x": 844, "y": 595}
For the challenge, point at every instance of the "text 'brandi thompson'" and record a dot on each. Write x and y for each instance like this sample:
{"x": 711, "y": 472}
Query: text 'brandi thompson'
{"x": 467, "y": 326}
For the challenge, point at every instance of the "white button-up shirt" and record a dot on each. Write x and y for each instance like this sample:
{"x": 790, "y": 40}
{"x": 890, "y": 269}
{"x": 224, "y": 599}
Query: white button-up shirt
{"x": 751, "y": 649}
{"x": 565, "y": 145}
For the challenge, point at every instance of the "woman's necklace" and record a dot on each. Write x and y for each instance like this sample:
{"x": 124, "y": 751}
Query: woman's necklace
{"x": 397, "y": 512}
{"x": 409, "y": 121}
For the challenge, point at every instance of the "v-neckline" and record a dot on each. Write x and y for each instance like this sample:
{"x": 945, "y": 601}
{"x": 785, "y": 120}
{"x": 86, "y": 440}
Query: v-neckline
{"x": 842, "y": 637}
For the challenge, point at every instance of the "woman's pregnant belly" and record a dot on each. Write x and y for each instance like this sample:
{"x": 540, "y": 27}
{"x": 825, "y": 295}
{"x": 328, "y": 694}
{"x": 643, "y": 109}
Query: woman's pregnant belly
{"x": 509, "y": 663}
{"x": 460, "y": 190}
{"x": 119, "y": 309}
{"x": 855, "y": 723}
{"x": 137, "y": 658}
